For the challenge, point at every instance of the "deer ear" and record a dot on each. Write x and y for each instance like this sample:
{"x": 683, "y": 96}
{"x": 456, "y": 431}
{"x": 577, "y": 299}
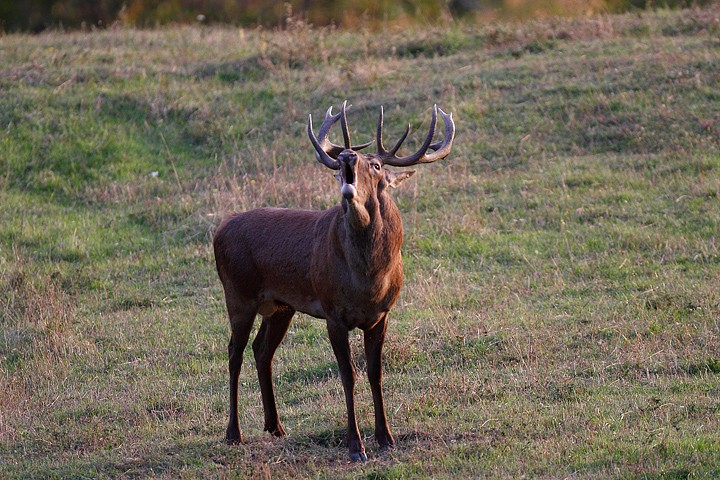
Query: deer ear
{"x": 396, "y": 178}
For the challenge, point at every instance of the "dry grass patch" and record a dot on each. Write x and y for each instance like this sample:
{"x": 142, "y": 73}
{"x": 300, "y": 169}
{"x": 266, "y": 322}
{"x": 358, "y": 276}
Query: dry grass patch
{"x": 559, "y": 315}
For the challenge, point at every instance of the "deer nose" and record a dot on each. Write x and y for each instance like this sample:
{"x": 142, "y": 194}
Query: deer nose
{"x": 348, "y": 156}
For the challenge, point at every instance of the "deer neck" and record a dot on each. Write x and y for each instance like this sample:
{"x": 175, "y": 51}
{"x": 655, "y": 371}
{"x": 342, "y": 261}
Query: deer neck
{"x": 373, "y": 233}
{"x": 361, "y": 216}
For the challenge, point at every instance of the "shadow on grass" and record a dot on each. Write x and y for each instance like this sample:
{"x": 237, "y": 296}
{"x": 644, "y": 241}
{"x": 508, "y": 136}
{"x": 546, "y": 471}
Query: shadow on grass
{"x": 138, "y": 462}
{"x": 296, "y": 454}
{"x": 309, "y": 375}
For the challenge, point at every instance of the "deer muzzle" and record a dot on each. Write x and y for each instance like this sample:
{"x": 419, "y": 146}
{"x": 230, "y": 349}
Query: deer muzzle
{"x": 348, "y": 176}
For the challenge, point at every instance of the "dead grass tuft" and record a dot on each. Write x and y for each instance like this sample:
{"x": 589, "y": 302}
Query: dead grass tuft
{"x": 38, "y": 345}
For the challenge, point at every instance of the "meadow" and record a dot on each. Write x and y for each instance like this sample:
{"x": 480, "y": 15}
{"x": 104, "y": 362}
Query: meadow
{"x": 561, "y": 310}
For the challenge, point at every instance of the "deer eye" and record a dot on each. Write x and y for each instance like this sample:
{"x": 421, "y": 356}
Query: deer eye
{"x": 376, "y": 166}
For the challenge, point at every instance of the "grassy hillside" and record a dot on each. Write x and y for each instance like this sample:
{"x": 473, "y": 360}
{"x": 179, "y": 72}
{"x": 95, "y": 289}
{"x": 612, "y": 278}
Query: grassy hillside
{"x": 560, "y": 312}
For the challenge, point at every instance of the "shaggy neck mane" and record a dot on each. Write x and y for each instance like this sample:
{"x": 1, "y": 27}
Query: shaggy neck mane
{"x": 369, "y": 247}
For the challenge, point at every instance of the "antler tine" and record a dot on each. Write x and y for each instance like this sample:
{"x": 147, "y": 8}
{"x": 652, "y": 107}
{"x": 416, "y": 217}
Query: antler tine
{"x": 421, "y": 155}
{"x": 326, "y": 145}
{"x": 397, "y": 145}
{"x": 442, "y": 149}
{"x": 325, "y": 127}
{"x": 381, "y": 148}
{"x": 343, "y": 123}
{"x": 378, "y": 136}
{"x": 320, "y": 152}
{"x": 329, "y": 120}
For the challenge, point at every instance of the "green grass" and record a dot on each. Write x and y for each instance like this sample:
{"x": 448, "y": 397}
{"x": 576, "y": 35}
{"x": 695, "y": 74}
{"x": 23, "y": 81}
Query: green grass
{"x": 560, "y": 311}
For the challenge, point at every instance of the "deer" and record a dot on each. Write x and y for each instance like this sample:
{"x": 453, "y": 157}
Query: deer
{"x": 342, "y": 265}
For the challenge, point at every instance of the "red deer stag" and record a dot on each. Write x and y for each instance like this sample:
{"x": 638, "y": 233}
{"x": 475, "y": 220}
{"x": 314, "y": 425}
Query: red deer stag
{"x": 342, "y": 265}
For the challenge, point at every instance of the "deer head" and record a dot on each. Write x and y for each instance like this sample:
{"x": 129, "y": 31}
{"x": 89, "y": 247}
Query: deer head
{"x": 363, "y": 177}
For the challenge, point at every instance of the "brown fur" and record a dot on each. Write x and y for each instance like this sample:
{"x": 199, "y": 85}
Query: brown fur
{"x": 342, "y": 265}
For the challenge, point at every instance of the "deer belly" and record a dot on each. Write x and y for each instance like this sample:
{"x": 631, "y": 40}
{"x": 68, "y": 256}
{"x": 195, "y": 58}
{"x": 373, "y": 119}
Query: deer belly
{"x": 271, "y": 303}
{"x": 312, "y": 308}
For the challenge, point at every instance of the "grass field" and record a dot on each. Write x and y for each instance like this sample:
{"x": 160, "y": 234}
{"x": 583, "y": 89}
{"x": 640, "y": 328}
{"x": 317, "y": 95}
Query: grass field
{"x": 561, "y": 309}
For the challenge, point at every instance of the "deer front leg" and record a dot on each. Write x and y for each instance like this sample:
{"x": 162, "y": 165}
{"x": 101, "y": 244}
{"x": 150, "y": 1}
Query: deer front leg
{"x": 341, "y": 347}
{"x": 374, "y": 340}
{"x": 240, "y": 324}
{"x": 271, "y": 333}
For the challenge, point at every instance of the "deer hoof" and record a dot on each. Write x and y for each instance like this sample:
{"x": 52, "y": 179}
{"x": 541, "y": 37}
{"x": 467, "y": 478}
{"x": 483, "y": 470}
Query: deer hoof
{"x": 386, "y": 447}
{"x": 234, "y": 440}
{"x": 385, "y": 440}
{"x": 277, "y": 431}
{"x": 358, "y": 457}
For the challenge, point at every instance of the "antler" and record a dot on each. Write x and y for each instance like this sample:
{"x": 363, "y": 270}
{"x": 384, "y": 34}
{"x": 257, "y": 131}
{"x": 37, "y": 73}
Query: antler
{"x": 440, "y": 149}
{"x": 326, "y": 151}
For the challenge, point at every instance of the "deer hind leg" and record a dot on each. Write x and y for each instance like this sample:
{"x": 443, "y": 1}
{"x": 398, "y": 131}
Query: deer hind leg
{"x": 341, "y": 347}
{"x": 374, "y": 339}
{"x": 241, "y": 323}
{"x": 271, "y": 333}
